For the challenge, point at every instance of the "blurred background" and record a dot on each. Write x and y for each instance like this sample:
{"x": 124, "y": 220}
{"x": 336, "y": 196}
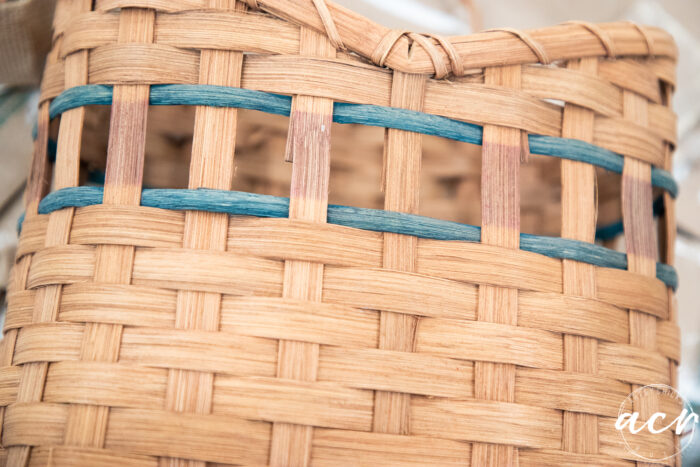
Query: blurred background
{"x": 25, "y": 33}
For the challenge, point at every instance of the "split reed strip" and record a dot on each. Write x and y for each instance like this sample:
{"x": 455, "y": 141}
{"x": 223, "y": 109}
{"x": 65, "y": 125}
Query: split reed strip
{"x": 37, "y": 186}
{"x": 401, "y": 178}
{"x": 667, "y": 227}
{"x": 18, "y": 281}
{"x": 73, "y": 456}
{"x": 68, "y": 165}
{"x": 500, "y": 225}
{"x": 668, "y": 247}
{"x": 58, "y": 228}
{"x": 22, "y": 420}
{"x": 578, "y": 183}
{"x": 40, "y": 170}
{"x": 87, "y": 425}
{"x": 308, "y": 148}
{"x": 640, "y": 243}
{"x": 211, "y": 166}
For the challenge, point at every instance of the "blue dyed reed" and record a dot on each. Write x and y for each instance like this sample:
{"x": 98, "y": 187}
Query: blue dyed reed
{"x": 372, "y": 115}
{"x": 251, "y": 204}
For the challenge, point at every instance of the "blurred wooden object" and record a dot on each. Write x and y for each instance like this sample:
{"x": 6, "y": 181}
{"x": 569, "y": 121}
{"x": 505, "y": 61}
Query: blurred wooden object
{"x": 25, "y": 38}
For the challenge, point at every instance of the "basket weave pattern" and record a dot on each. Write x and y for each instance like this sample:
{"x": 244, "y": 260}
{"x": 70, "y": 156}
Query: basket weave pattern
{"x": 143, "y": 333}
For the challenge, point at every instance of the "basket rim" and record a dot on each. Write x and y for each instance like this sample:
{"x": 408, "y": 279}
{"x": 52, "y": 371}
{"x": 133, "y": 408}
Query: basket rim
{"x": 429, "y": 53}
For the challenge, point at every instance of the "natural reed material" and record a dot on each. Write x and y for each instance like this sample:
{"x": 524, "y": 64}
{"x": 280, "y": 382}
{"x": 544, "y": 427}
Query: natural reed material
{"x": 168, "y": 232}
{"x": 308, "y": 148}
{"x": 580, "y": 430}
{"x": 389, "y": 117}
{"x": 165, "y": 319}
{"x": 212, "y": 166}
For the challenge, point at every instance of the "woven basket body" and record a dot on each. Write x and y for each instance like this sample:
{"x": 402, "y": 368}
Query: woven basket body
{"x": 208, "y": 302}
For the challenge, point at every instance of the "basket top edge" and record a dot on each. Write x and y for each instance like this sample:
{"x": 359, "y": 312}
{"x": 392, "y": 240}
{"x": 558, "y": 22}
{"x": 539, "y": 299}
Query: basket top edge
{"x": 429, "y": 54}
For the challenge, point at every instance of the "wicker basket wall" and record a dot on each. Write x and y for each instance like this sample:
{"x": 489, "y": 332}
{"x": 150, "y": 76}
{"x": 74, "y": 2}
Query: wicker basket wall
{"x": 207, "y": 304}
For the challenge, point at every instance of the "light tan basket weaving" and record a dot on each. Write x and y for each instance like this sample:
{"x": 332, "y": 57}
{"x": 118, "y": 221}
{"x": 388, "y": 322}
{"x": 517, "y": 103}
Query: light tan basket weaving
{"x": 205, "y": 309}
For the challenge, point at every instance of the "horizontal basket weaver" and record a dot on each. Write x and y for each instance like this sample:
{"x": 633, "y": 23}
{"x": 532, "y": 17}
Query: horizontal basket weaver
{"x": 156, "y": 324}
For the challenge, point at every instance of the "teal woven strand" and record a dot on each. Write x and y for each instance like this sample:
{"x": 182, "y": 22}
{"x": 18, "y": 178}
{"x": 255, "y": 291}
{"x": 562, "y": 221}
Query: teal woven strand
{"x": 612, "y": 230}
{"x": 251, "y": 204}
{"x": 371, "y": 115}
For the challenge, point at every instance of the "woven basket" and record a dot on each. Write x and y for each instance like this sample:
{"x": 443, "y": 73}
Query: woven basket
{"x": 450, "y": 170}
{"x": 164, "y": 319}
